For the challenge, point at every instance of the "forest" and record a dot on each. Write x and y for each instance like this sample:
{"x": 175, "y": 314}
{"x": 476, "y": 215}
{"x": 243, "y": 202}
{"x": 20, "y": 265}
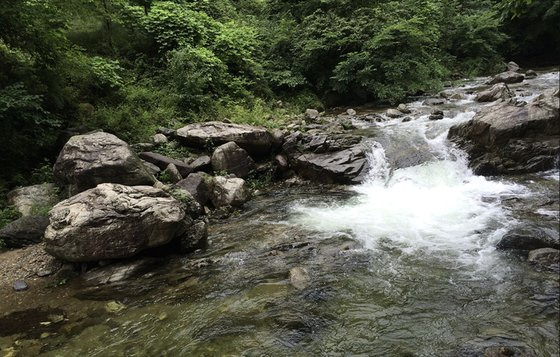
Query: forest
{"x": 129, "y": 66}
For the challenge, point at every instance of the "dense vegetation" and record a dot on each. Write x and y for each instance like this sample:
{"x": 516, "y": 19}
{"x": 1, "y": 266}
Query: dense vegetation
{"x": 127, "y": 66}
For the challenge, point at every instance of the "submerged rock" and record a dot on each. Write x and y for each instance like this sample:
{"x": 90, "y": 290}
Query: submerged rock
{"x": 31, "y": 198}
{"x": 232, "y": 159}
{"x": 24, "y": 231}
{"x": 114, "y": 221}
{"x": 255, "y": 140}
{"x": 505, "y": 138}
{"x": 545, "y": 257}
{"x": 299, "y": 278}
{"x": 91, "y": 159}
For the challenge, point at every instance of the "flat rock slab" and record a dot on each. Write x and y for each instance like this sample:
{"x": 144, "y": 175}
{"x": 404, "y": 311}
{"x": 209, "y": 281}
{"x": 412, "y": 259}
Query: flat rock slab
{"x": 257, "y": 141}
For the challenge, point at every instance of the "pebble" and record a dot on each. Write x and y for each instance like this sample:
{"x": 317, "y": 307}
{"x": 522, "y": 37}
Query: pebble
{"x": 20, "y": 285}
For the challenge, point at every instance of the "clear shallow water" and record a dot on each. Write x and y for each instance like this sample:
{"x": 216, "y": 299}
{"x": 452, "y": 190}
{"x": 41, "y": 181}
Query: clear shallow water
{"x": 401, "y": 265}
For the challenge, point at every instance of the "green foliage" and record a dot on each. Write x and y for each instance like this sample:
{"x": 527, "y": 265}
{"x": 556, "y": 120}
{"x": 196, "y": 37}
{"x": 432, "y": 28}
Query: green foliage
{"x": 172, "y": 149}
{"x": 8, "y": 214}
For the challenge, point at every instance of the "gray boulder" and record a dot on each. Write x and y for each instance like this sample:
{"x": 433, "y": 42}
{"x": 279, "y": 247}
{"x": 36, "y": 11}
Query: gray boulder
{"x": 229, "y": 192}
{"x": 113, "y": 221}
{"x": 32, "y": 198}
{"x": 200, "y": 185}
{"x": 202, "y": 163}
{"x": 159, "y": 139}
{"x": 436, "y": 115}
{"x": 91, "y": 159}
{"x": 512, "y": 67}
{"x": 24, "y": 231}
{"x": 508, "y": 77}
{"x": 162, "y": 162}
{"x": 403, "y": 108}
{"x": 530, "y": 74}
{"x": 497, "y": 91}
{"x": 232, "y": 159}
{"x": 311, "y": 114}
{"x": 393, "y": 113}
{"x": 255, "y": 140}
{"x": 506, "y": 138}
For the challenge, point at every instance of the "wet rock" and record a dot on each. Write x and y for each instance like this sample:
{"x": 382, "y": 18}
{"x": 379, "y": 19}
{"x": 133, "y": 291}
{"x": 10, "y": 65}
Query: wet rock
{"x": 299, "y": 278}
{"x": 159, "y": 139}
{"x": 232, "y": 159}
{"x": 24, "y": 231}
{"x": 393, "y": 113}
{"x": 229, "y": 192}
{"x": 406, "y": 119}
{"x": 162, "y": 162}
{"x": 436, "y": 115}
{"x": 457, "y": 96}
{"x": 200, "y": 185}
{"x": 434, "y": 101}
{"x": 88, "y": 160}
{"x": 495, "y": 347}
{"x": 255, "y": 140}
{"x": 497, "y": 91}
{"x": 20, "y": 285}
{"x": 114, "y": 307}
{"x": 530, "y": 74}
{"x": 30, "y": 198}
{"x": 505, "y": 138}
{"x": 113, "y": 221}
{"x": 529, "y": 238}
{"x": 311, "y": 114}
{"x": 545, "y": 257}
{"x": 197, "y": 235}
{"x": 173, "y": 173}
{"x": 403, "y": 108}
{"x": 351, "y": 112}
{"x": 202, "y": 163}
{"x": 507, "y": 77}
{"x": 119, "y": 272}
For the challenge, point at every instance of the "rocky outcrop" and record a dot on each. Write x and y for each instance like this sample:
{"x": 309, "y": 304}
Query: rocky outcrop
{"x": 29, "y": 199}
{"x": 24, "y": 231}
{"x": 327, "y": 158}
{"x": 229, "y": 192}
{"x": 91, "y": 159}
{"x": 163, "y": 162}
{"x": 508, "y": 77}
{"x": 510, "y": 137}
{"x": 200, "y": 185}
{"x": 113, "y": 221}
{"x": 497, "y": 91}
{"x": 232, "y": 159}
{"x": 257, "y": 141}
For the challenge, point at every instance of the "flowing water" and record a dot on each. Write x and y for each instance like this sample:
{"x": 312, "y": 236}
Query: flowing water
{"x": 402, "y": 265}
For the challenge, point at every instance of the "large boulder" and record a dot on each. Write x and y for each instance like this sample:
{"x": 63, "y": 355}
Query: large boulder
{"x": 327, "y": 158}
{"x": 507, "y": 138}
{"x": 529, "y": 238}
{"x": 232, "y": 159}
{"x": 91, "y": 159}
{"x": 200, "y": 185}
{"x": 113, "y": 221}
{"x": 497, "y": 91}
{"x": 229, "y": 192}
{"x": 24, "y": 231}
{"x": 257, "y": 141}
{"x": 163, "y": 162}
{"x": 507, "y": 77}
{"x": 30, "y": 199}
